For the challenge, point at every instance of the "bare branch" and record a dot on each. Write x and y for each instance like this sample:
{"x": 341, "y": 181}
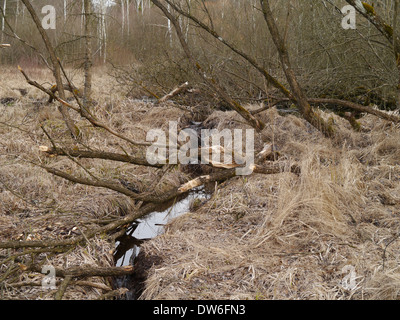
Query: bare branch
{"x": 251, "y": 120}
{"x": 297, "y": 91}
{"x": 95, "y": 122}
{"x": 56, "y": 69}
{"x": 249, "y": 59}
{"x": 99, "y": 155}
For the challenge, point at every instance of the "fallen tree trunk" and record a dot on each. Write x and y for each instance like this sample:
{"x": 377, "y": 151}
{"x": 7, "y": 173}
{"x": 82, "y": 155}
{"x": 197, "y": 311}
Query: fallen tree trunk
{"x": 351, "y": 105}
{"x": 175, "y": 92}
{"x": 5, "y": 45}
{"x": 137, "y": 214}
{"x": 273, "y": 168}
{"x": 357, "y": 107}
{"x": 218, "y": 176}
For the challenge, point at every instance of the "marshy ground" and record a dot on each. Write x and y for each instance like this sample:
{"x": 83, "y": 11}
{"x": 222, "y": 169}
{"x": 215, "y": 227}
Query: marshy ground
{"x": 281, "y": 236}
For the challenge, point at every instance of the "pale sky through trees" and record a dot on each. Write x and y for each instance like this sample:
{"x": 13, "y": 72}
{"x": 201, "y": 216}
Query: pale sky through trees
{"x": 107, "y": 3}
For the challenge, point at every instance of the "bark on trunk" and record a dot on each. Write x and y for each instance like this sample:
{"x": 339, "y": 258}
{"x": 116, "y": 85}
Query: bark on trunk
{"x": 87, "y": 92}
{"x": 56, "y": 69}
{"x": 297, "y": 91}
{"x": 251, "y": 120}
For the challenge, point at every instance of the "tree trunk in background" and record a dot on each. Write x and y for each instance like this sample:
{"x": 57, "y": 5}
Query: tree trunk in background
{"x": 16, "y": 17}
{"x": 123, "y": 17}
{"x": 396, "y": 43}
{"x": 169, "y": 26}
{"x": 127, "y": 17}
{"x": 88, "y": 53}
{"x": 297, "y": 91}
{"x": 102, "y": 29}
{"x": 56, "y": 69}
{"x": 65, "y": 11}
{"x": 3, "y": 20}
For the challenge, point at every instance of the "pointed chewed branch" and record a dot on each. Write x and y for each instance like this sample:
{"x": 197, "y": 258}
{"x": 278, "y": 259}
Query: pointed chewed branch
{"x": 183, "y": 87}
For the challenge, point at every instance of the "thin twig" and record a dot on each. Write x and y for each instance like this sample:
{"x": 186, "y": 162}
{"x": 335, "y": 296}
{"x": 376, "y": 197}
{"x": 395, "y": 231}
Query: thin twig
{"x": 61, "y": 290}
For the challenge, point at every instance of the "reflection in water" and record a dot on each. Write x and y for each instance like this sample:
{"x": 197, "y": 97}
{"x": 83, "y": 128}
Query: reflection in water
{"x": 128, "y": 246}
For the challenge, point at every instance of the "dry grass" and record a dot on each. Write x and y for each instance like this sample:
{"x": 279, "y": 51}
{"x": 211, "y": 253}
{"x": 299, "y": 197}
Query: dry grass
{"x": 259, "y": 237}
{"x": 35, "y": 205}
{"x": 289, "y": 237}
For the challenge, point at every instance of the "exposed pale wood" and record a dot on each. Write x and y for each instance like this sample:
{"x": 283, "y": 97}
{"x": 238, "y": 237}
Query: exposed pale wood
{"x": 183, "y": 87}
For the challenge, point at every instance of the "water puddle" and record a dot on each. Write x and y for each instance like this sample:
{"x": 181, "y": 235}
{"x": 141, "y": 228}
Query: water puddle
{"x": 128, "y": 246}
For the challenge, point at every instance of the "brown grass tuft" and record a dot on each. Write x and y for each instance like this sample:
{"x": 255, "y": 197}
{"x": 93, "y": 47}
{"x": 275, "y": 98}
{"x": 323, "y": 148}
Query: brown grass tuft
{"x": 287, "y": 236}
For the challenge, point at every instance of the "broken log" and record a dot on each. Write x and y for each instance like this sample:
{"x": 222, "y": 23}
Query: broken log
{"x": 271, "y": 168}
{"x": 338, "y": 103}
{"x": 356, "y": 107}
{"x": 5, "y": 45}
{"x": 175, "y": 92}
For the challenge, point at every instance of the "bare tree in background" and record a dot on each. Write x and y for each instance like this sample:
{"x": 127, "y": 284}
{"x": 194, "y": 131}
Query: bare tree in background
{"x": 102, "y": 28}
{"x": 234, "y": 105}
{"x": 55, "y": 68}
{"x": 389, "y": 31}
{"x": 88, "y": 66}
{"x": 3, "y": 20}
{"x": 396, "y": 43}
{"x": 297, "y": 91}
